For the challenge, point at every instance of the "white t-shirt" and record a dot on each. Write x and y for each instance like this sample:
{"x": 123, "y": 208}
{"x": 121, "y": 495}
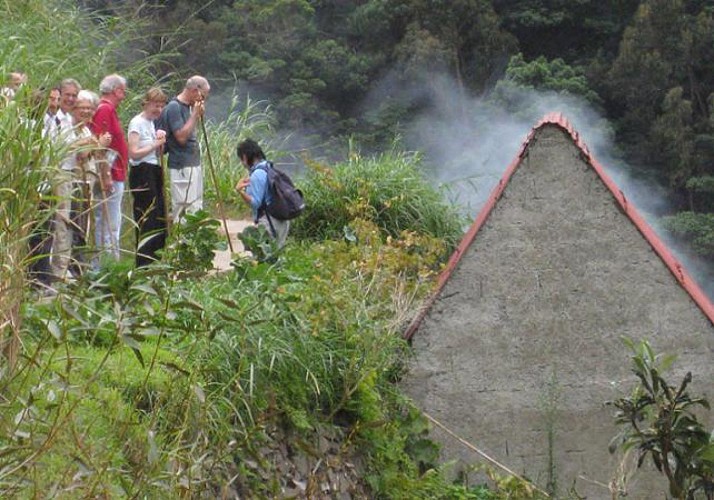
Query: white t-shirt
{"x": 147, "y": 135}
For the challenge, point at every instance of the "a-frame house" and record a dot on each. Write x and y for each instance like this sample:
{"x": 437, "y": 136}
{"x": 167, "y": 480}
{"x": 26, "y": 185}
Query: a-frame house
{"x": 520, "y": 347}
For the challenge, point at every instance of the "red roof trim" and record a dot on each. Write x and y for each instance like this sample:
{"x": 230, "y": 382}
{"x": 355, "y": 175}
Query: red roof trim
{"x": 657, "y": 244}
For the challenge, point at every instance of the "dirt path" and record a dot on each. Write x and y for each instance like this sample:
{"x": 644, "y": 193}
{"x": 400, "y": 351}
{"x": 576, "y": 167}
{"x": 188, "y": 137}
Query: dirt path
{"x": 222, "y": 259}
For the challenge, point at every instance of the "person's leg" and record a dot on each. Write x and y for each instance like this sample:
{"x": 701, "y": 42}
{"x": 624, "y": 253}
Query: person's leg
{"x": 186, "y": 191}
{"x": 115, "y": 215}
{"x": 62, "y": 238}
{"x": 80, "y": 216}
{"x": 196, "y": 189}
{"x": 179, "y": 192}
{"x": 39, "y": 268}
{"x": 278, "y": 229}
{"x": 102, "y": 236}
{"x": 141, "y": 194}
{"x": 101, "y": 223}
{"x": 155, "y": 224}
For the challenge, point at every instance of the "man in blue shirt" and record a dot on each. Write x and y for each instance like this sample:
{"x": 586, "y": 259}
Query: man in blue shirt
{"x": 254, "y": 190}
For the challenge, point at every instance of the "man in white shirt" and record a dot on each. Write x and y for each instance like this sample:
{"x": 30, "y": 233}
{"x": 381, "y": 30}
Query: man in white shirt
{"x": 63, "y": 132}
{"x": 52, "y": 121}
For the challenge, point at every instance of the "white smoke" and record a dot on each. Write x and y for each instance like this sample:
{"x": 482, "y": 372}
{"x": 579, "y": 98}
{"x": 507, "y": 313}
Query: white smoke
{"x": 468, "y": 143}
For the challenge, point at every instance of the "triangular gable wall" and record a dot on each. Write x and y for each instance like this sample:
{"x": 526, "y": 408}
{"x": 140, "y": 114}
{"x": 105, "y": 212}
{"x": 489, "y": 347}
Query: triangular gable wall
{"x": 520, "y": 349}
{"x": 557, "y": 119}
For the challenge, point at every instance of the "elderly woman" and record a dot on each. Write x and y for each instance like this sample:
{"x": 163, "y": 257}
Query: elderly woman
{"x": 146, "y": 177}
{"x": 78, "y": 172}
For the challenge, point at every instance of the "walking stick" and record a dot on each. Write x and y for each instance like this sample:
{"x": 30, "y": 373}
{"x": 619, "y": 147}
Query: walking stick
{"x": 168, "y": 217}
{"x": 104, "y": 167}
{"x": 215, "y": 184}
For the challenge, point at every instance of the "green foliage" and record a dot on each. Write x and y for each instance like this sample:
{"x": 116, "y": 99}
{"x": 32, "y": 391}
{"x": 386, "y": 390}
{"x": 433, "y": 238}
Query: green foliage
{"x": 387, "y": 190}
{"x": 555, "y": 75}
{"x": 244, "y": 119}
{"x": 56, "y": 39}
{"x": 257, "y": 241}
{"x": 694, "y": 227}
{"x": 574, "y": 30}
{"x": 672, "y": 138}
{"x": 192, "y": 242}
{"x": 704, "y": 184}
{"x": 658, "y": 422}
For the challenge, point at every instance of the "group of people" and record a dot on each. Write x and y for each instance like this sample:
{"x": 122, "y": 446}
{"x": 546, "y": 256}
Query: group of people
{"x": 90, "y": 180}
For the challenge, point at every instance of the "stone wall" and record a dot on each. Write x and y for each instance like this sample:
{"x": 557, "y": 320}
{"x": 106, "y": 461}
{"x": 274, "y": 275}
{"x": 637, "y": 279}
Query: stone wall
{"x": 524, "y": 341}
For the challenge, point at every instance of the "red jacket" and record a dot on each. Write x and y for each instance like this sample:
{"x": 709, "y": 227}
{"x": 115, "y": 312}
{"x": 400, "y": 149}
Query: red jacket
{"x": 106, "y": 120}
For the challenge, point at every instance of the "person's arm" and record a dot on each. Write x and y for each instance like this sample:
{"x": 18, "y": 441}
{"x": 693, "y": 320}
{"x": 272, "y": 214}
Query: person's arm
{"x": 136, "y": 152}
{"x": 100, "y": 127}
{"x": 252, "y": 189}
{"x": 182, "y": 132}
{"x": 241, "y": 188}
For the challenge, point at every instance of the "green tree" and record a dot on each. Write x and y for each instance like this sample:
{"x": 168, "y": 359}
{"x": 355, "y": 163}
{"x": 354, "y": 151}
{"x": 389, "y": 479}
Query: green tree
{"x": 575, "y": 30}
{"x": 473, "y": 45}
{"x": 555, "y": 75}
{"x": 672, "y": 138}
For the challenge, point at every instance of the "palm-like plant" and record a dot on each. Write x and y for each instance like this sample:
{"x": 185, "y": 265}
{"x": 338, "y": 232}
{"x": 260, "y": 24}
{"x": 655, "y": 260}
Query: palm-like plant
{"x": 659, "y": 422}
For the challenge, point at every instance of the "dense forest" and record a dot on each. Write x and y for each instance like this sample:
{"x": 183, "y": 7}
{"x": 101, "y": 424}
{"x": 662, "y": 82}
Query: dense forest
{"x": 330, "y": 68}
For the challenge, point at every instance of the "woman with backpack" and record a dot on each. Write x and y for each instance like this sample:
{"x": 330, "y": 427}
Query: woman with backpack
{"x": 255, "y": 190}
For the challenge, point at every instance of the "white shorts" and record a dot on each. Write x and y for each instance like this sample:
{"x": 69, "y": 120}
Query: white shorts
{"x": 186, "y": 191}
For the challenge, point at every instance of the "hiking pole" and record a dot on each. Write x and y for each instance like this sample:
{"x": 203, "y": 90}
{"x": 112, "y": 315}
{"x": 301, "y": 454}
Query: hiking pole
{"x": 215, "y": 184}
{"x": 165, "y": 181}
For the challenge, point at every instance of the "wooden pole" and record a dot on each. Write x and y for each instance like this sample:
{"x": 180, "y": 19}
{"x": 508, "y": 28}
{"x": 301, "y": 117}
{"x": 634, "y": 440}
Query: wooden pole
{"x": 221, "y": 211}
{"x": 166, "y": 181}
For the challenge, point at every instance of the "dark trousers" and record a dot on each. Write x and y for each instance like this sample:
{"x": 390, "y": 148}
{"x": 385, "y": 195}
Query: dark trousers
{"x": 40, "y": 242}
{"x": 146, "y": 182}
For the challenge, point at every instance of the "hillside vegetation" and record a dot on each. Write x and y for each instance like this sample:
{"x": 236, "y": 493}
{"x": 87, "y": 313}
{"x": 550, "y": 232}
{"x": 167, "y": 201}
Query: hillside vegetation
{"x": 277, "y": 378}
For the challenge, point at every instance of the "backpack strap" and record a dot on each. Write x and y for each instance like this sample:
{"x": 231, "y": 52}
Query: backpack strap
{"x": 262, "y": 166}
{"x": 262, "y": 210}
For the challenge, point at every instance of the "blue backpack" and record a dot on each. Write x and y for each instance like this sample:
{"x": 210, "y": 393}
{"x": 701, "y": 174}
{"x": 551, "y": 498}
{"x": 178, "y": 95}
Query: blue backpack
{"x": 287, "y": 201}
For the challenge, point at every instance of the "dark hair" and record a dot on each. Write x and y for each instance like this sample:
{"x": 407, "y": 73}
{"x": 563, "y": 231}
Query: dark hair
{"x": 251, "y": 150}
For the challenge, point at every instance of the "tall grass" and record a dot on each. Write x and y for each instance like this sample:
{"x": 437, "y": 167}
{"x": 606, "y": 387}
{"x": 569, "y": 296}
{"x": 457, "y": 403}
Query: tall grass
{"x": 387, "y": 189}
{"x": 23, "y": 154}
{"x": 245, "y": 119}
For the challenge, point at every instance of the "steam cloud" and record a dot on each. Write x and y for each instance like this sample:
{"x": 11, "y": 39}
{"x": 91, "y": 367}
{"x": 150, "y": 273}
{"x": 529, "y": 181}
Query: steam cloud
{"x": 469, "y": 142}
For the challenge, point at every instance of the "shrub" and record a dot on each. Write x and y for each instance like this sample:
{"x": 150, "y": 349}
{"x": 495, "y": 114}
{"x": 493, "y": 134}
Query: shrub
{"x": 387, "y": 190}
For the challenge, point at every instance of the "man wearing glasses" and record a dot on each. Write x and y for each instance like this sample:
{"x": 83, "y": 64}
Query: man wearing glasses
{"x": 179, "y": 119}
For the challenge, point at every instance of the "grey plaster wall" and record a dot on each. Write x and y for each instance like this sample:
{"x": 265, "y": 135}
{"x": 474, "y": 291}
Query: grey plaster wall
{"x": 525, "y": 337}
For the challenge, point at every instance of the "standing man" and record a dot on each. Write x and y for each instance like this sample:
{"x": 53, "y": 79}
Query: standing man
{"x": 69, "y": 88}
{"x": 62, "y": 226}
{"x": 179, "y": 119}
{"x": 51, "y": 120}
{"x": 106, "y": 120}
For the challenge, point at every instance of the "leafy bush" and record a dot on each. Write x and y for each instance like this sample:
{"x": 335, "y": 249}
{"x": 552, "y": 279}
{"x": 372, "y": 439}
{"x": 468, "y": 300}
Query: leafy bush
{"x": 695, "y": 227}
{"x": 387, "y": 190}
{"x": 191, "y": 243}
